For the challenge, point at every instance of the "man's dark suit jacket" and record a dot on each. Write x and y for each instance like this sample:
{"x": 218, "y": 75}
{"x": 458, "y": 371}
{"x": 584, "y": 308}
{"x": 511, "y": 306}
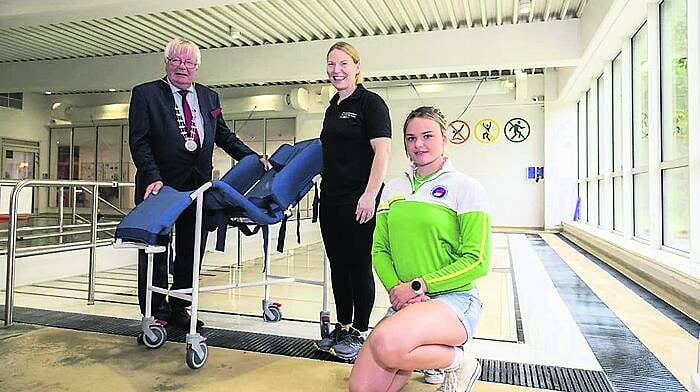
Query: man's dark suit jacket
{"x": 158, "y": 148}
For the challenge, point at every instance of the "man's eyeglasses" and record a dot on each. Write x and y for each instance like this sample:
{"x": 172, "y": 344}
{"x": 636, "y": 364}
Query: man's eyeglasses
{"x": 176, "y": 62}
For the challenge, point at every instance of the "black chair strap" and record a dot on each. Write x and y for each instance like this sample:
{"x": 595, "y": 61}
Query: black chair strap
{"x": 266, "y": 244}
{"x": 282, "y": 234}
{"x": 298, "y": 227}
{"x": 314, "y": 217}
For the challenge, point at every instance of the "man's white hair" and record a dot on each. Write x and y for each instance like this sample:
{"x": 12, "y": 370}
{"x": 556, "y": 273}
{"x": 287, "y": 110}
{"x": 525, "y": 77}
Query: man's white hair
{"x": 178, "y": 45}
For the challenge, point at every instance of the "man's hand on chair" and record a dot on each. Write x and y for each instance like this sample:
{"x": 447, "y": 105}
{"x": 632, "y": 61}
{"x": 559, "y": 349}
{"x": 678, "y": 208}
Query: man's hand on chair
{"x": 266, "y": 164}
{"x": 153, "y": 188}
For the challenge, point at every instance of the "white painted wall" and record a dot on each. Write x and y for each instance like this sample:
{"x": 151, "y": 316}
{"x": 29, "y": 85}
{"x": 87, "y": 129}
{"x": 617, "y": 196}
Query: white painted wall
{"x": 560, "y": 146}
{"x": 29, "y": 124}
{"x": 500, "y": 167}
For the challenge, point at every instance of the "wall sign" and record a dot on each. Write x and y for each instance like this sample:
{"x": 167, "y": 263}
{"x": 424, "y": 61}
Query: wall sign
{"x": 487, "y": 131}
{"x": 517, "y": 130}
{"x": 460, "y": 131}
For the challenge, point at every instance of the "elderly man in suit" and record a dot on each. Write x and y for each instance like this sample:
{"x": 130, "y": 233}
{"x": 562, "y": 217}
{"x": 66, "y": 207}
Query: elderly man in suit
{"x": 173, "y": 126}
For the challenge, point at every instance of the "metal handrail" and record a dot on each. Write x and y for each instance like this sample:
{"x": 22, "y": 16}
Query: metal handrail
{"x": 103, "y": 200}
{"x": 58, "y": 248}
{"x": 41, "y": 228}
{"x": 12, "y": 233}
{"x": 61, "y": 234}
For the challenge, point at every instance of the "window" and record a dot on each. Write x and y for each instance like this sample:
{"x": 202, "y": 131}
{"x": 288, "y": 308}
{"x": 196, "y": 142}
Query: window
{"x": 92, "y": 153}
{"x": 584, "y": 158}
{"x": 602, "y": 147}
{"x": 592, "y": 156}
{"x": 618, "y": 207}
{"x": 11, "y": 100}
{"x": 109, "y": 161}
{"x": 640, "y": 133}
{"x": 580, "y": 160}
{"x": 674, "y": 124}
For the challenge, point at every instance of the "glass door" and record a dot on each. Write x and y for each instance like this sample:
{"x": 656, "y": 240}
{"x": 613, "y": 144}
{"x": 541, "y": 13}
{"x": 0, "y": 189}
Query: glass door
{"x": 19, "y": 165}
{"x": 19, "y": 162}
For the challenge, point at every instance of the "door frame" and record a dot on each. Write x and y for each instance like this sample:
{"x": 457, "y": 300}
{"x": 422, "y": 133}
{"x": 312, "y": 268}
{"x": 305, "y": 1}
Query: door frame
{"x": 18, "y": 145}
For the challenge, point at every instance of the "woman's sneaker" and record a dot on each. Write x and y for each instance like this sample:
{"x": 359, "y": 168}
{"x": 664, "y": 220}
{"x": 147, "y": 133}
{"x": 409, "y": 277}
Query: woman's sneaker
{"x": 433, "y": 376}
{"x": 348, "y": 346}
{"x": 331, "y": 340}
{"x": 463, "y": 378}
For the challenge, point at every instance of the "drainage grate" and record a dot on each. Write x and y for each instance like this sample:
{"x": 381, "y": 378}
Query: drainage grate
{"x": 519, "y": 374}
{"x": 544, "y": 377}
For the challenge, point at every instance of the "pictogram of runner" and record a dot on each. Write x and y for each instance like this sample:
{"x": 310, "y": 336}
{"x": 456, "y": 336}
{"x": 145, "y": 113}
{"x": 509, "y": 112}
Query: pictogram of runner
{"x": 517, "y": 130}
{"x": 487, "y": 130}
{"x": 460, "y": 131}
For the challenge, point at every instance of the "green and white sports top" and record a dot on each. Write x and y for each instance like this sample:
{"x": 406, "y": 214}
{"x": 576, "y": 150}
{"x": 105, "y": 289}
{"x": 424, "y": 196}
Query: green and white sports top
{"x": 437, "y": 229}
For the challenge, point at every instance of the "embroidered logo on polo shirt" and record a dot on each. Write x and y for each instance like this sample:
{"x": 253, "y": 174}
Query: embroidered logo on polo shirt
{"x": 439, "y": 192}
{"x": 348, "y": 115}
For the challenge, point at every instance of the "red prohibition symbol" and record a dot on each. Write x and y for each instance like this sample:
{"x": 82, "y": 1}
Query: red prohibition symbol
{"x": 460, "y": 131}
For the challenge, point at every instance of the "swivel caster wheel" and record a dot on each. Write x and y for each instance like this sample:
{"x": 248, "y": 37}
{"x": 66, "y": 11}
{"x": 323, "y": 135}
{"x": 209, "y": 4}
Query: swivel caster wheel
{"x": 193, "y": 359}
{"x": 160, "y": 336}
{"x": 273, "y": 313}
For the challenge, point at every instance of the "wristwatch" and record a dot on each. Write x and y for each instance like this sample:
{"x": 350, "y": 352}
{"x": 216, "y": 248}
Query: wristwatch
{"x": 417, "y": 287}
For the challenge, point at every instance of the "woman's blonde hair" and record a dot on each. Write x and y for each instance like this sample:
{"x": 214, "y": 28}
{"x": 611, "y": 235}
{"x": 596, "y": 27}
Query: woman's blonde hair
{"x": 350, "y": 51}
{"x": 177, "y": 45}
{"x": 429, "y": 112}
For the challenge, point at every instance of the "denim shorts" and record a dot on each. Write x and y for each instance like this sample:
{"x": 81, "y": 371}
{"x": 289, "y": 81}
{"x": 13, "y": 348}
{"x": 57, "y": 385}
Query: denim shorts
{"x": 466, "y": 304}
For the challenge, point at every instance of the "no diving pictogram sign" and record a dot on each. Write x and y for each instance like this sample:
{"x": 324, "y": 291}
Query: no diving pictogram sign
{"x": 460, "y": 131}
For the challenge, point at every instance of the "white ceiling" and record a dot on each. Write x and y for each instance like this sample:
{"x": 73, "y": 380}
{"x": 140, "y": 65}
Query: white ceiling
{"x": 32, "y": 30}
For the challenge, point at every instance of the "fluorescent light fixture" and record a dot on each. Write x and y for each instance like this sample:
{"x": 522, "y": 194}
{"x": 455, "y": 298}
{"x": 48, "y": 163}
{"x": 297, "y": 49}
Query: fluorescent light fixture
{"x": 48, "y": 92}
{"x": 430, "y": 87}
{"x": 525, "y": 6}
{"x": 111, "y": 90}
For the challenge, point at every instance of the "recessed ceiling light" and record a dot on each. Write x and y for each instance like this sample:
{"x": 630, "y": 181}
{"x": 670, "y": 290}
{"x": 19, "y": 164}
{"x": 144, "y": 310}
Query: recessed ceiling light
{"x": 111, "y": 90}
{"x": 47, "y": 92}
{"x": 233, "y": 32}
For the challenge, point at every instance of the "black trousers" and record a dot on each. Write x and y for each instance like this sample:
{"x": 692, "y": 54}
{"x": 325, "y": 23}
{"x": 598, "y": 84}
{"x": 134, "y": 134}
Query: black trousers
{"x": 182, "y": 274}
{"x": 349, "y": 248}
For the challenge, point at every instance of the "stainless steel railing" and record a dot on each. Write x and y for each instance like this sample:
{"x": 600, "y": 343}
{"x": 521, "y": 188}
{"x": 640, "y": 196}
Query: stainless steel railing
{"x": 92, "y": 244}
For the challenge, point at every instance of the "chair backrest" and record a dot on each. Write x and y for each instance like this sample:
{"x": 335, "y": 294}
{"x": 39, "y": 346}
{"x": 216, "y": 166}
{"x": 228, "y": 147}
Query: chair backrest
{"x": 244, "y": 174}
{"x": 302, "y": 162}
{"x": 291, "y": 177}
{"x": 263, "y": 197}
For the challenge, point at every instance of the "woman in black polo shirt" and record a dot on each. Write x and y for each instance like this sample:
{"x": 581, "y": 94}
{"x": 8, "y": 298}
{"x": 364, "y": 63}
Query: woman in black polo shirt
{"x": 356, "y": 139}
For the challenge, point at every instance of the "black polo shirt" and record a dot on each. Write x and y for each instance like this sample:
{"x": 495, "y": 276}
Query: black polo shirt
{"x": 347, "y": 154}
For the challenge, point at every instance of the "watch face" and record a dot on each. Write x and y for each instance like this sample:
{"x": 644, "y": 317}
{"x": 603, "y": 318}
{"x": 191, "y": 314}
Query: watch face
{"x": 415, "y": 285}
